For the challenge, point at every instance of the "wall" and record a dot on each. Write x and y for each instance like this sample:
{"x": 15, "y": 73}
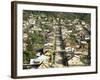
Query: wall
{"x": 5, "y": 40}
